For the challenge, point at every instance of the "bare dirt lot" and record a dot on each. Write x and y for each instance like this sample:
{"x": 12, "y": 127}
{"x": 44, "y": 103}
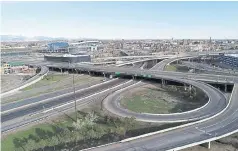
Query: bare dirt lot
{"x": 11, "y": 81}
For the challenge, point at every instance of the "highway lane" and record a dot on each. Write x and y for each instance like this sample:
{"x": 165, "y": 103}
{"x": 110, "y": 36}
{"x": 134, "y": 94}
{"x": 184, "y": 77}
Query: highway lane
{"x": 27, "y": 101}
{"x": 57, "y": 101}
{"x": 130, "y": 71}
{"x": 161, "y": 65}
{"x": 126, "y": 71}
{"x": 188, "y": 136}
{"x": 61, "y": 109}
{"x": 208, "y": 69}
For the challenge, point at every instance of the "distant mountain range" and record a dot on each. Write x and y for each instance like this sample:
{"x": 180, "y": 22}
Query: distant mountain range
{"x": 15, "y": 38}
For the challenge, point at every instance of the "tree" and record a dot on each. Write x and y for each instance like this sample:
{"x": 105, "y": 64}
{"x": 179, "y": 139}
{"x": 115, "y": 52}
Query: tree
{"x": 121, "y": 131}
{"x": 66, "y": 136}
{"x": 129, "y": 123}
{"x": 54, "y": 141}
{"x": 31, "y": 144}
{"x": 42, "y": 144}
{"x": 99, "y": 132}
{"x": 87, "y": 121}
{"x": 79, "y": 124}
{"x": 19, "y": 143}
{"x": 106, "y": 119}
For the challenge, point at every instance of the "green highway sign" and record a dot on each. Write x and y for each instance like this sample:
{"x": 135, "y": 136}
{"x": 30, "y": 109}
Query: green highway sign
{"x": 117, "y": 73}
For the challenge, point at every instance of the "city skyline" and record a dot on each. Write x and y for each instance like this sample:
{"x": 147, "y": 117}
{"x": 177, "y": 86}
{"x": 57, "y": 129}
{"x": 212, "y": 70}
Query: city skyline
{"x": 121, "y": 20}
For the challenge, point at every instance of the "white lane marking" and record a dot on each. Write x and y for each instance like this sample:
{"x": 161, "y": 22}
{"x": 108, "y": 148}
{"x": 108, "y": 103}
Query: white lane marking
{"x": 71, "y": 102}
{"x": 235, "y": 112}
{"x": 45, "y": 111}
{"x": 181, "y": 126}
{"x": 56, "y": 96}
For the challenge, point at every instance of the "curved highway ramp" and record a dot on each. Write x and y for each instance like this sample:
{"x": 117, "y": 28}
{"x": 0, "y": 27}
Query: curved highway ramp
{"x": 183, "y": 136}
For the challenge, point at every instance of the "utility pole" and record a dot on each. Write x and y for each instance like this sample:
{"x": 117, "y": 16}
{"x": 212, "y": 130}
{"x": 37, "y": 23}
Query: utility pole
{"x": 75, "y": 101}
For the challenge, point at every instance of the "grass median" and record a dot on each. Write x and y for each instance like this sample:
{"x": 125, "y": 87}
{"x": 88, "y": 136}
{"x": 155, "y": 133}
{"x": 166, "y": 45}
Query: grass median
{"x": 156, "y": 100}
{"x": 47, "y": 80}
{"x": 145, "y": 102}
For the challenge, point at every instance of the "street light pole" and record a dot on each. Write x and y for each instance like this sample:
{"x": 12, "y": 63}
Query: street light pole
{"x": 75, "y": 101}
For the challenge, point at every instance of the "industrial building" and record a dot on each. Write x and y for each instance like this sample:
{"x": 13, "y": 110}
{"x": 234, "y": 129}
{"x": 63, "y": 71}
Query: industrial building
{"x": 68, "y": 58}
{"x": 58, "y": 47}
{"x": 72, "y": 52}
{"x": 88, "y": 46}
{"x": 14, "y": 67}
{"x": 73, "y": 48}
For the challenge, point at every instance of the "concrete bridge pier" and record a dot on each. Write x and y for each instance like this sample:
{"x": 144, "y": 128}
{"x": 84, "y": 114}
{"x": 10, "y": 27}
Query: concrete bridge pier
{"x": 190, "y": 90}
{"x": 163, "y": 82}
{"x": 105, "y": 78}
{"x": 133, "y": 77}
{"x": 185, "y": 87}
{"x": 154, "y": 62}
{"x": 207, "y": 145}
{"x": 111, "y": 76}
{"x": 225, "y": 87}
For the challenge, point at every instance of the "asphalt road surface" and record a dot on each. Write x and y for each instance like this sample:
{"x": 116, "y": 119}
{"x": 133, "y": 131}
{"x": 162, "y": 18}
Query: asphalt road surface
{"x": 57, "y": 101}
{"x": 27, "y": 101}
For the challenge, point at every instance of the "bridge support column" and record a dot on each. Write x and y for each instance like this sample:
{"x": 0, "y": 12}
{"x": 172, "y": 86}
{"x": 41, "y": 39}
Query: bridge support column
{"x": 89, "y": 73}
{"x": 111, "y": 76}
{"x": 190, "y": 87}
{"x": 104, "y": 76}
{"x": 133, "y": 77}
{"x": 207, "y": 145}
{"x": 225, "y": 87}
{"x": 162, "y": 82}
{"x": 190, "y": 90}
